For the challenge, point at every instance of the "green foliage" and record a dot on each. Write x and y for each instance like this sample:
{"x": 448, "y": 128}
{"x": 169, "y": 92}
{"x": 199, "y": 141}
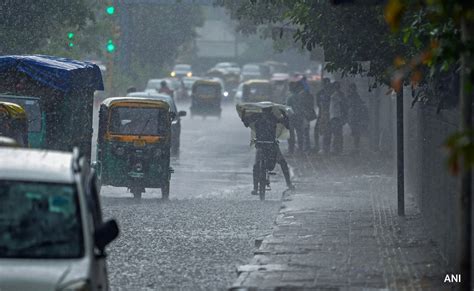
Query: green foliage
{"x": 160, "y": 34}
{"x": 30, "y": 26}
{"x": 348, "y": 34}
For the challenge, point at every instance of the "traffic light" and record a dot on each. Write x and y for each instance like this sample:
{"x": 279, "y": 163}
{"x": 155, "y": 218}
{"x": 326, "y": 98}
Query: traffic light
{"x": 110, "y": 10}
{"x": 70, "y": 37}
{"x": 110, "y": 46}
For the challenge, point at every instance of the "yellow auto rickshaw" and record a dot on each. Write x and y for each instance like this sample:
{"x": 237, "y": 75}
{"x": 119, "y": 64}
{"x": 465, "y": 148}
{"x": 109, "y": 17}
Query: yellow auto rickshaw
{"x": 206, "y": 98}
{"x": 257, "y": 91}
{"x": 133, "y": 148}
{"x": 14, "y": 122}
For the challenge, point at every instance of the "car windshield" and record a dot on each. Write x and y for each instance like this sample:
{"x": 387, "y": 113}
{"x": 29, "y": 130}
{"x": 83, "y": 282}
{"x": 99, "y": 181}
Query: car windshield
{"x": 182, "y": 68}
{"x": 251, "y": 69}
{"x": 39, "y": 220}
{"x": 32, "y": 108}
{"x": 137, "y": 121}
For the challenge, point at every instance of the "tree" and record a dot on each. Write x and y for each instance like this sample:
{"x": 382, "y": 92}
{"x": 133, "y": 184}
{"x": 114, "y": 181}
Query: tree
{"x": 30, "y": 26}
{"x": 348, "y": 34}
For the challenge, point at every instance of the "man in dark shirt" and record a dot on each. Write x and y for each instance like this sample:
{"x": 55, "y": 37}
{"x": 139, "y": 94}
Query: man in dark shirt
{"x": 265, "y": 131}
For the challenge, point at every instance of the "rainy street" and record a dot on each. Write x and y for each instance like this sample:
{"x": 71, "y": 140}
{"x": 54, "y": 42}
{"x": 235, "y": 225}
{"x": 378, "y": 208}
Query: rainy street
{"x": 237, "y": 145}
{"x": 208, "y": 227}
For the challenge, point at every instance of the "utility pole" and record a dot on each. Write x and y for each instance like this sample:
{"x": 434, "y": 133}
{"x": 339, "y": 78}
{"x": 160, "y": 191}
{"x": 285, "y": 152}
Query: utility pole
{"x": 465, "y": 197}
{"x": 400, "y": 154}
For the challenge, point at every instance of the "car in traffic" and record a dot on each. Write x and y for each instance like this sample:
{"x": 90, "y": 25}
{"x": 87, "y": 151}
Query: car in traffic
{"x": 250, "y": 71}
{"x": 172, "y": 83}
{"x": 228, "y": 67}
{"x": 238, "y": 93}
{"x": 52, "y": 234}
{"x": 182, "y": 70}
{"x": 188, "y": 84}
{"x": 176, "y": 116}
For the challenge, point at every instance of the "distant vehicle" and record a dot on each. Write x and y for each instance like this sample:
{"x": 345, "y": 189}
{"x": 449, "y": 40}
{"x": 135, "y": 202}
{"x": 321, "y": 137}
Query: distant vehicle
{"x": 176, "y": 121}
{"x": 182, "y": 70}
{"x": 53, "y": 235}
{"x": 277, "y": 67}
{"x": 133, "y": 144}
{"x": 229, "y": 67}
{"x": 257, "y": 91}
{"x": 173, "y": 83}
{"x": 280, "y": 87}
{"x": 225, "y": 93}
{"x": 206, "y": 98}
{"x": 238, "y": 93}
{"x": 250, "y": 71}
{"x": 188, "y": 84}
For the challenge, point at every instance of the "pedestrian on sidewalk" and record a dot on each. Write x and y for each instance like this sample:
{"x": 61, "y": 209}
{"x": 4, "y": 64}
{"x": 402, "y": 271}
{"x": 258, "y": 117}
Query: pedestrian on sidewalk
{"x": 321, "y": 128}
{"x": 299, "y": 122}
{"x": 337, "y": 117}
{"x": 358, "y": 115}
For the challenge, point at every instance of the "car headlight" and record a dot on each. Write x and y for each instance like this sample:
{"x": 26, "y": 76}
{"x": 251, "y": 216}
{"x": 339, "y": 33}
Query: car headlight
{"x": 189, "y": 74}
{"x": 225, "y": 93}
{"x": 79, "y": 285}
{"x": 173, "y": 74}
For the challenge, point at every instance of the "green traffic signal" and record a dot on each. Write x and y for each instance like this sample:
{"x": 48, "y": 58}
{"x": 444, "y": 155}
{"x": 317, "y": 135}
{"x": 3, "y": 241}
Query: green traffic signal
{"x": 71, "y": 44}
{"x": 110, "y": 10}
{"x": 110, "y": 46}
{"x": 70, "y": 35}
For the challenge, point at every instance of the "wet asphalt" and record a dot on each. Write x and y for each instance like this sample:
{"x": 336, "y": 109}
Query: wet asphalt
{"x": 197, "y": 239}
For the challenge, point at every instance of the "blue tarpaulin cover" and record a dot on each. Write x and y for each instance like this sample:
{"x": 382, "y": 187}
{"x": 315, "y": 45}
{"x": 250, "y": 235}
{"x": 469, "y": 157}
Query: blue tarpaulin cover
{"x": 59, "y": 73}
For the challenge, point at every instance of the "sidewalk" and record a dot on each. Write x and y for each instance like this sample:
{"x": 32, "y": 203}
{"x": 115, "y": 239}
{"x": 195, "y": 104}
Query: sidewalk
{"x": 340, "y": 231}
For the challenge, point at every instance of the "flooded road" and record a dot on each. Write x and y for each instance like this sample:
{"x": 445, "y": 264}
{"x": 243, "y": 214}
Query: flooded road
{"x": 210, "y": 224}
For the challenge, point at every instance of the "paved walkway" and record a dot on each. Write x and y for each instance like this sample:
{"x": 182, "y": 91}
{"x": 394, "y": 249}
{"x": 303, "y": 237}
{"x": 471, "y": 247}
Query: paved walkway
{"x": 340, "y": 231}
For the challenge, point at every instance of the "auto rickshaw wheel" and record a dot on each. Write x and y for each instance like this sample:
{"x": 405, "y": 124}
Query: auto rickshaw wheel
{"x": 165, "y": 191}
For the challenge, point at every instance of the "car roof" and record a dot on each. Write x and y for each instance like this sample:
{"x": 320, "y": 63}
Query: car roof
{"x": 182, "y": 65}
{"x": 36, "y": 165}
{"x": 151, "y": 94}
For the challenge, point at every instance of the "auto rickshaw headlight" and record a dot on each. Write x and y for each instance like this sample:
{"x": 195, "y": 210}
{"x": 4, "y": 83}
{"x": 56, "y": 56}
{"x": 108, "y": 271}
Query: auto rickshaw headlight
{"x": 138, "y": 167}
{"x": 173, "y": 74}
{"x": 189, "y": 74}
{"x": 120, "y": 151}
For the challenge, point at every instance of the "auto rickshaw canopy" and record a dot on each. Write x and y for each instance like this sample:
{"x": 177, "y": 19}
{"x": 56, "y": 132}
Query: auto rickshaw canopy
{"x": 136, "y": 102}
{"x": 206, "y": 82}
{"x": 62, "y": 74}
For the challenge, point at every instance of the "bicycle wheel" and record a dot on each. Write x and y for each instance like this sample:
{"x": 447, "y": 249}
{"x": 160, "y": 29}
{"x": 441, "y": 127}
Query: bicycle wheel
{"x": 262, "y": 180}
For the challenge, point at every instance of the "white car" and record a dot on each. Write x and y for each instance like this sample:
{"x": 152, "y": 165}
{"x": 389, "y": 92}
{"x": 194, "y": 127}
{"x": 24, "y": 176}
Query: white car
{"x": 250, "y": 71}
{"x": 228, "y": 67}
{"x": 52, "y": 236}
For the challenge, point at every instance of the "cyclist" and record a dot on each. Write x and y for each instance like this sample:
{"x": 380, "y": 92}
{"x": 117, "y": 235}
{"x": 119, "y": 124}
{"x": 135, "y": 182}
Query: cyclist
{"x": 265, "y": 131}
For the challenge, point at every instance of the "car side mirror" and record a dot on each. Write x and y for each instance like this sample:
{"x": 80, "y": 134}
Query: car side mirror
{"x": 94, "y": 165}
{"x": 182, "y": 113}
{"x": 105, "y": 234}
